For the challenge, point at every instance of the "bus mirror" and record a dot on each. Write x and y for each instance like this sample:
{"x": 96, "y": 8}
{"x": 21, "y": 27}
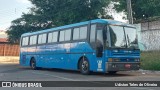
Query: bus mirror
{"x": 107, "y": 43}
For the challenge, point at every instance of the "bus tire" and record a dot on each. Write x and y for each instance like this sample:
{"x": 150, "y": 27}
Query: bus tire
{"x": 112, "y": 72}
{"x": 84, "y": 66}
{"x": 33, "y": 64}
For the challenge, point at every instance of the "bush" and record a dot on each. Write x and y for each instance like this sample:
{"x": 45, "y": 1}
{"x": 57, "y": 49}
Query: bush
{"x": 150, "y": 60}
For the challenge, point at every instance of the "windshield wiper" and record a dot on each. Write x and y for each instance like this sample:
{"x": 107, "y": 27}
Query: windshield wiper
{"x": 128, "y": 41}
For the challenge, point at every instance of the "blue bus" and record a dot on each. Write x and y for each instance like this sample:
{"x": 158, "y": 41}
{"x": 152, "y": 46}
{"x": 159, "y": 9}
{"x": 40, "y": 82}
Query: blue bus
{"x": 99, "y": 45}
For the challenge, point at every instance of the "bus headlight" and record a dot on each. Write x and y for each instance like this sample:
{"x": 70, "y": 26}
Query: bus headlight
{"x": 110, "y": 59}
{"x": 113, "y": 60}
{"x": 116, "y": 60}
{"x": 137, "y": 60}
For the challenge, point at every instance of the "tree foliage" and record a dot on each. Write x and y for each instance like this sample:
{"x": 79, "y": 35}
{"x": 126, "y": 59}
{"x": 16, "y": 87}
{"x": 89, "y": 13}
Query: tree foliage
{"x": 52, "y": 13}
{"x": 142, "y": 9}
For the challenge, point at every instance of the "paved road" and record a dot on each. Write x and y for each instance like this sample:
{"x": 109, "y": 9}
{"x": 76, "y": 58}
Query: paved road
{"x": 14, "y": 72}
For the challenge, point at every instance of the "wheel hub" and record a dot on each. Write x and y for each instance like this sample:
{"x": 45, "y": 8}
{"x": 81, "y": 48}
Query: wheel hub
{"x": 84, "y": 65}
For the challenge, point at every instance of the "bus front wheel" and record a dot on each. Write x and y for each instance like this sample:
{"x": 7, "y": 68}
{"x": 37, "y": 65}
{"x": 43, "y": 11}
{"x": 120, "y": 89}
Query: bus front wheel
{"x": 33, "y": 64}
{"x": 84, "y": 66}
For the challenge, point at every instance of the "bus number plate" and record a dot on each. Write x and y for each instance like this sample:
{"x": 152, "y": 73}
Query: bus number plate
{"x": 127, "y": 65}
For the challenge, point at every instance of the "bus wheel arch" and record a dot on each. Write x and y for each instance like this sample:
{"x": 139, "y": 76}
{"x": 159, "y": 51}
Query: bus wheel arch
{"x": 81, "y": 61}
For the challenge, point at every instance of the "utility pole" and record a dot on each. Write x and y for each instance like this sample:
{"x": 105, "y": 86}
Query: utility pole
{"x": 129, "y": 10}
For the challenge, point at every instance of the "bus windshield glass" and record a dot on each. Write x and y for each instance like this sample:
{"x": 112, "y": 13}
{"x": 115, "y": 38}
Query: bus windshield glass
{"x": 123, "y": 37}
{"x": 131, "y": 37}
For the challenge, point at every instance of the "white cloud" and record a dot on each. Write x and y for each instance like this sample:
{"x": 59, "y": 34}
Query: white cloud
{"x": 23, "y": 1}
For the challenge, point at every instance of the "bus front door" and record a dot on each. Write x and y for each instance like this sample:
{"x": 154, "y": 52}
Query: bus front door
{"x": 99, "y": 51}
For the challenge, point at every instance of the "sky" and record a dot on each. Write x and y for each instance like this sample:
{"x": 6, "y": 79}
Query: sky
{"x": 13, "y": 9}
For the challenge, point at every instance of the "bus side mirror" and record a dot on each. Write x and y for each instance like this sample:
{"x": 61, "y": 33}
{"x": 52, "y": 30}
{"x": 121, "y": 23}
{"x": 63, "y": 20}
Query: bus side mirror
{"x": 107, "y": 43}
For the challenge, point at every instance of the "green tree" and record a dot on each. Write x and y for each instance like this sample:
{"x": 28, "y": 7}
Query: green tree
{"x": 142, "y": 9}
{"x": 52, "y": 13}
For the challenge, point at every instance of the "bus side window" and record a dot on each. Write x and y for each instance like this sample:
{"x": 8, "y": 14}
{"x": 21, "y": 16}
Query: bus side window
{"x": 65, "y": 35}
{"x": 93, "y": 35}
{"x": 33, "y": 40}
{"x": 68, "y": 35}
{"x": 55, "y": 37}
{"x": 30, "y": 40}
{"x": 25, "y": 41}
{"x": 76, "y": 34}
{"x": 61, "y": 38}
{"x": 83, "y": 32}
{"x": 39, "y": 39}
{"x": 42, "y": 38}
{"x": 52, "y": 37}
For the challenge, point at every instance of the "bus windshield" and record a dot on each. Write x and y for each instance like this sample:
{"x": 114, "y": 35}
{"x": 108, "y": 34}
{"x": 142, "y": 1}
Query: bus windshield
{"x": 131, "y": 37}
{"x": 123, "y": 37}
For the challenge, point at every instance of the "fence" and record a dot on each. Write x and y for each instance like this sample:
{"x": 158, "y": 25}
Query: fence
{"x": 150, "y": 35}
{"x": 9, "y": 50}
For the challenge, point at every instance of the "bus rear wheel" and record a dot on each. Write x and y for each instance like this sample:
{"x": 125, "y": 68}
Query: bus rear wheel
{"x": 84, "y": 66}
{"x": 33, "y": 64}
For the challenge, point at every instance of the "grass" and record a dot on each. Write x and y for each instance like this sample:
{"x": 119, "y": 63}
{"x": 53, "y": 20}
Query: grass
{"x": 150, "y": 60}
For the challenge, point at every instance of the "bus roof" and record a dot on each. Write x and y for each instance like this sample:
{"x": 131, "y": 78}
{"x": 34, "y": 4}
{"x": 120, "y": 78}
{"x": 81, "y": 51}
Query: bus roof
{"x": 104, "y": 21}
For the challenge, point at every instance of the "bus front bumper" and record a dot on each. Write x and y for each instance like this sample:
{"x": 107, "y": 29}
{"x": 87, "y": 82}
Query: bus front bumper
{"x": 122, "y": 66}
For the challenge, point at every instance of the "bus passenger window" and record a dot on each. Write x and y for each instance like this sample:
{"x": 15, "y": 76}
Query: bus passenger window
{"x": 55, "y": 36}
{"x": 30, "y": 40}
{"x": 50, "y": 37}
{"x": 44, "y": 36}
{"x": 67, "y": 35}
{"x": 76, "y": 34}
{"x": 39, "y": 39}
{"x": 34, "y": 40}
{"x": 25, "y": 41}
{"x": 83, "y": 32}
{"x": 61, "y": 38}
{"x": 93, "y": 35}
{"x": 42, "y": 39}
